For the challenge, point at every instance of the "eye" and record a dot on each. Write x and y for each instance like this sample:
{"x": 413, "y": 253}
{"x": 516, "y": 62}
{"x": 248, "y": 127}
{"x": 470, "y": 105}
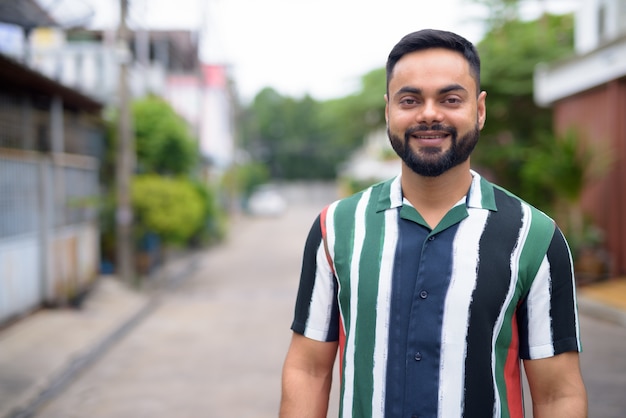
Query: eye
{"x": 452, "y": 100}
{"x": 408, "y": 101}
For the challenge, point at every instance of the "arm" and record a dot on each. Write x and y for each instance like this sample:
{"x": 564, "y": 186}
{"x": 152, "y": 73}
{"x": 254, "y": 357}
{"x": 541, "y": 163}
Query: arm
{"x": 556, "y": 386}
{"x": 307, "y": 376}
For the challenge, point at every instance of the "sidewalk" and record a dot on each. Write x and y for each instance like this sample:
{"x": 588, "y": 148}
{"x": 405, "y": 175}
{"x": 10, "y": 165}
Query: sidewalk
{"x": 40, "y": 354}
{"x": 605, "y": 300}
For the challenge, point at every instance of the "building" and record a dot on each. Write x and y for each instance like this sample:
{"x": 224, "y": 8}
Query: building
{"x": 163, "y": 62}
{"x": 588, "y": 94}
{"x": 50, "y": 144}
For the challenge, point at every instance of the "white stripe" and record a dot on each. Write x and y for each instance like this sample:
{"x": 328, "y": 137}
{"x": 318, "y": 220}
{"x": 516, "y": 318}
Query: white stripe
{"x": 456, "y": 313}
{"x": 320, "y": 308}
{"x": 540, "y": 340}
{"x": 571, "y": 262}
{"x": 359, "y": 236}
{"x": 381, "y": 347}
{"x": 476, "y": 193}
{"x": 395, "y": 192}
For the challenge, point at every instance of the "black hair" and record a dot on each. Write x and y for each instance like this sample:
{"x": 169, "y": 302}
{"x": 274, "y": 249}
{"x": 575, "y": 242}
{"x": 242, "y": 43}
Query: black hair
{"x": 432, "y": 38}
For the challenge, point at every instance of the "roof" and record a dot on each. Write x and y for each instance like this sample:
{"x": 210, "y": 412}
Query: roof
{"x": 561, "y": 79}
{"x": 25, "y": 13}
{"x": 22, "y": 78}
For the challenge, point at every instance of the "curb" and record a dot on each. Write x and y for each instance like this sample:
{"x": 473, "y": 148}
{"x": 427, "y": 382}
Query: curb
{"x": 167, "y": 281}
{"x": 63, "y": 379}
{"x": 590, "y": 307}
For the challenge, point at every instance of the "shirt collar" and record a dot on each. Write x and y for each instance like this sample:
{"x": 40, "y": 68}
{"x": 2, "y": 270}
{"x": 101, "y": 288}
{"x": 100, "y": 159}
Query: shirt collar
{"x": 479, "y": 196}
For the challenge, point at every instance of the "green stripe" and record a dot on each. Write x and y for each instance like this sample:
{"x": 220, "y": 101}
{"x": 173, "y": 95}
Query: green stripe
{"x": 536, "y": 246}
{"x": 369, "y": 274}
{"x": 343, "y": 225}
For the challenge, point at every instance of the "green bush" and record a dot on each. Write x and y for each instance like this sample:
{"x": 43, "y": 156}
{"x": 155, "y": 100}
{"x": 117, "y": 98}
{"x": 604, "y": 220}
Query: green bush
{"x": 163, "y": 141}
{"x": 244, "y": 178}
{"x": 213, "y": 226}
{"x": 171, "y": 208}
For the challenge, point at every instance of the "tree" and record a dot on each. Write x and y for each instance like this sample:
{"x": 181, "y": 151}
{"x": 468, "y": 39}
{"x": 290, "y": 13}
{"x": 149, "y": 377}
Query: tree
{"x": 163, "y": 142}
{"x": 307, "y": 139}
{"x": 515, "y": 124}
{"x": 352, "y": 118}
{"x": 286, "y": 134}
{"x": 168, "y": 202}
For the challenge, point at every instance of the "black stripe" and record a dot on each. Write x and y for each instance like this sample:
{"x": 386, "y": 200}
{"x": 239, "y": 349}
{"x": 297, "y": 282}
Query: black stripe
{"x": 493, "y": 280}
{"x": 562, "y": 309}
{"x": 307, "y": 277}
{"x": 307, "y": 283}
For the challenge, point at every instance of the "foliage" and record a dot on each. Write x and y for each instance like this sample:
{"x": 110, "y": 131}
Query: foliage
{"x": 352, "y": 118}
{"x": 171, "y": 208}
{"x": 162, "y": 139}
{"x": 555, "y": 168}
{"x": 244, "y": 178}
{"x": 558, "y": 170}
{"x": 515, "y": 124}
{"x": 518, "y": 146}
{"x": 307, "y": 139}
{"x": 213, "y": 225}
{"x": 500, "y": 11}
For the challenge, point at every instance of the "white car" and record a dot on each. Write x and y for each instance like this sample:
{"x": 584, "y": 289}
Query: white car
{"x": 266, "y": 201}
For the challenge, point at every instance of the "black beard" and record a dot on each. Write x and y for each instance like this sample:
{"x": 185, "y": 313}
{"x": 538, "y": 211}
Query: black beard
{"x": 433, "y": 162}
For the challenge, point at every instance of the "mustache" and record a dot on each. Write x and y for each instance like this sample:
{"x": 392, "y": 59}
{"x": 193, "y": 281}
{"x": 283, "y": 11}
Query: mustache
{"x": 436, "y": 127}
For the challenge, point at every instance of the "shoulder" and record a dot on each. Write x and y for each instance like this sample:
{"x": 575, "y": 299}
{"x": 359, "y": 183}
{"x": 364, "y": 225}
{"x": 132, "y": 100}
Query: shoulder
{"x": 508, "y": 202}
{"x": 344, "y": 214}
{"x": 375, "y": 194}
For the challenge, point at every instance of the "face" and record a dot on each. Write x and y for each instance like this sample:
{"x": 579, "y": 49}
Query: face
{"x": 434, "y": 114}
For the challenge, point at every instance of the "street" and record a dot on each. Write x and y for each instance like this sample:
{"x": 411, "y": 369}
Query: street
{"x": 603, "y": 363}
{"x": 214, "y": 345}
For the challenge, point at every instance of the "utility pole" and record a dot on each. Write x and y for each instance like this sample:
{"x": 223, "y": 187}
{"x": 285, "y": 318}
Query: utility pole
{"x": 125, "y": 159}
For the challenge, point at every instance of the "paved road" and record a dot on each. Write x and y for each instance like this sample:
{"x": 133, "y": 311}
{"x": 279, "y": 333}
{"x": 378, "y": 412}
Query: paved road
{"x": 214, "y": 346}
{"x": 603, "y": 363}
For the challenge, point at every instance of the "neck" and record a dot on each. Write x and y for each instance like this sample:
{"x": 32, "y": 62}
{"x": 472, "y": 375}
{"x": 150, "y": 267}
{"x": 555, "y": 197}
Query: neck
{"x": 433, "y": 197}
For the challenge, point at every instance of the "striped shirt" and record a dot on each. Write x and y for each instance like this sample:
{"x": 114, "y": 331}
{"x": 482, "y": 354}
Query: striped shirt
{"x": 433, "y": 323}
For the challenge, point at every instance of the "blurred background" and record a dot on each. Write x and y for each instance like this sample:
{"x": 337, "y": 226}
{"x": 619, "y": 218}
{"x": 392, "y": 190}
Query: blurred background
{"x": 133, "y": 131}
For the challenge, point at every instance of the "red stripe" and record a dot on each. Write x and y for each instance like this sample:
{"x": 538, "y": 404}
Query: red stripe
{"x": 323, "y": 227}
{"x": 512, "y": 376}
{"x": 342, "y": 334}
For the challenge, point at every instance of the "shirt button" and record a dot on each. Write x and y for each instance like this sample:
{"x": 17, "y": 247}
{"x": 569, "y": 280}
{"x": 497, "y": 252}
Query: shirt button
{"x": 423, "y": 294}
{"x": 431, "y": 238}
{"x": 418, "y": 356}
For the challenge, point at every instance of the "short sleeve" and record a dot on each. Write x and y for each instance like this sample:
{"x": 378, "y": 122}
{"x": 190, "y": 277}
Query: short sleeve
{"x": 316, "y": 312}
{"x": 548, "y": 317}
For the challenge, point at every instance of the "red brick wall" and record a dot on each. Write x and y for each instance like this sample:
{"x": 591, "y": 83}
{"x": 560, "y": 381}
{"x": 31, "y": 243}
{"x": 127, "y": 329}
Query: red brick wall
{"x": 599, "y": 115}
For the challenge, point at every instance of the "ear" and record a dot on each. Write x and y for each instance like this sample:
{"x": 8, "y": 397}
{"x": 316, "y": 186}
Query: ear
{"x": 482, "y": 109}
{"x": 386, "y": 108}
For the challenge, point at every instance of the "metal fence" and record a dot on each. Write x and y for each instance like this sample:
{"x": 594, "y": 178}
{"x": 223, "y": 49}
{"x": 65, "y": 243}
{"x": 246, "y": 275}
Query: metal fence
{"x": 49, "y": 246}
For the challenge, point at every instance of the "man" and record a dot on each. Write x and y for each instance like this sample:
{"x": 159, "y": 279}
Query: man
{"x": 434, "y": 285}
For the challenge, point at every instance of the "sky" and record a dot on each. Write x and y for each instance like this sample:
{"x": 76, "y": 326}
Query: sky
{"x": 298, "y": 47}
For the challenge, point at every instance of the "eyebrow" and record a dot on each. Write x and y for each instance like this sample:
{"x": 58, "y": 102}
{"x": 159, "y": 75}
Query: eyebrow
{"x": 444, "y": 90}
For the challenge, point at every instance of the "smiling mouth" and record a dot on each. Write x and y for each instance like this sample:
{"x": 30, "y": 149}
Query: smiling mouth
{"x": 430, "y": 138}
{"x": 434, "y": 136}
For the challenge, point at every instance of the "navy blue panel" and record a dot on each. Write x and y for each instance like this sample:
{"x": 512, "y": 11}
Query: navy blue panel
{"x": 421, "y": 277}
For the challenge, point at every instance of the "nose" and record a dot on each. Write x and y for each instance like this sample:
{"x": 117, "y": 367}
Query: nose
{"x": 430, "y": 113}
